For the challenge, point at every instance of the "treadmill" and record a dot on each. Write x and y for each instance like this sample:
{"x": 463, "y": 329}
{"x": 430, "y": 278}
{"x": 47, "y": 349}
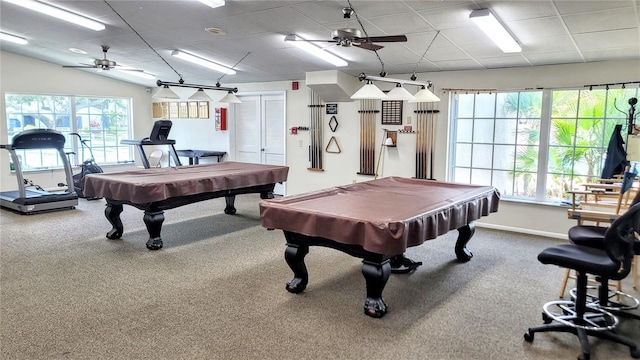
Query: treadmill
{"x": 27, "y": 200}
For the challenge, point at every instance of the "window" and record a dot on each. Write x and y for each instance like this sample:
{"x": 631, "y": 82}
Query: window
{"x": 535, "y": 145}
{"x": 101, "y": 122}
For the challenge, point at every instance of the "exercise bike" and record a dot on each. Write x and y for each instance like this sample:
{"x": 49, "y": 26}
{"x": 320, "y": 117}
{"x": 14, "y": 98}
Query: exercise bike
{"x": 88, "y": 166}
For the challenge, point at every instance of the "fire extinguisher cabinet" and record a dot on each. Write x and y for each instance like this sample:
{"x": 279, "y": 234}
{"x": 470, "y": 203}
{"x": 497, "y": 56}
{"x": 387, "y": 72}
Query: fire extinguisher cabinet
{"x": 221, "y": 118}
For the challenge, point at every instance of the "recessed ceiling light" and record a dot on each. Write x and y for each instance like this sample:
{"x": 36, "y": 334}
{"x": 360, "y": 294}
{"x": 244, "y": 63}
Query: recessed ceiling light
{"x": 215, "y": 31}
{"x": 78, "y": 51}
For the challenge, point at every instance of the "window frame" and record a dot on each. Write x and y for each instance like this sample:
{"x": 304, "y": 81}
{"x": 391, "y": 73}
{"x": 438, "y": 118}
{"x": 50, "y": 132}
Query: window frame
{"x": 608, "y": 117}
{"x": 72, "y": 144}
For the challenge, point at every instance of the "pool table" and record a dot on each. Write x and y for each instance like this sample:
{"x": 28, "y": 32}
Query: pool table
{"x": 377, "y": 221}
{"x": 157, "y": 189}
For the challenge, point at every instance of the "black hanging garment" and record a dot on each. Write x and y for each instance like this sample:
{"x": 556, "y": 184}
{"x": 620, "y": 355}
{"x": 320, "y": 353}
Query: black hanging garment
{"x": 616, "y": 160}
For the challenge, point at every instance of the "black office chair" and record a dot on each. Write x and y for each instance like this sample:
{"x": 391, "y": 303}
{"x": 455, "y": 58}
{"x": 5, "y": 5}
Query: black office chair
{"x": 612, "y": 263}
{"x": 615, "y": 301}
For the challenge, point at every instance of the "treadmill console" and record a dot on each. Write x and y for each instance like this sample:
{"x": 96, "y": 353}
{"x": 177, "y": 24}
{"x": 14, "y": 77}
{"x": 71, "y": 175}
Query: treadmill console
{"x": 160, "y": 131}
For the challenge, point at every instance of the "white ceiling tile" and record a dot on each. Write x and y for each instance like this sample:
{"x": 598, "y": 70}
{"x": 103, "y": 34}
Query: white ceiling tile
{"x": 601, "y": 30}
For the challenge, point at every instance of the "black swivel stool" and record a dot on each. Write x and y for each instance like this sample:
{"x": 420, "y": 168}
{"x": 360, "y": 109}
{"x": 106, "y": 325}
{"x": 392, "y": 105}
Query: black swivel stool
{"x": 612, "y": 262}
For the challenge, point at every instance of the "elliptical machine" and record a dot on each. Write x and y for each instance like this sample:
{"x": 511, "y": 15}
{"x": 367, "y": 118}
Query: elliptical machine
{"x": 88, "y": 166}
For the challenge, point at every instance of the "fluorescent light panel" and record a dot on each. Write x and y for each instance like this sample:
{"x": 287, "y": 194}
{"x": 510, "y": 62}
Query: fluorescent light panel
{"x": 319, "y": 52}
{"x": 58, "y": 13}
{"x": 203, "y": 62}
{"x": 140, "y": 74}
{"x": 213, "y": 3}
{"x": 13, "y": 38}
{"x": 491, "y": 26}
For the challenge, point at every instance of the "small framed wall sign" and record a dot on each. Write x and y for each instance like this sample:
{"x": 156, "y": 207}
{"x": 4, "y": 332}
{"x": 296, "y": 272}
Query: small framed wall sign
{"x": 193, "y": 109}
{"x": 204, "y": 109}
{"x": 331, "y": 109}
{"x": 184, "y": 110}
{"x": 173, "y": 110}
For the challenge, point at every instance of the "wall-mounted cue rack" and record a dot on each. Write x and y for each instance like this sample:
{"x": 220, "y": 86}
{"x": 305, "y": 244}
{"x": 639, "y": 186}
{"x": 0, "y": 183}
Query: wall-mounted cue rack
{"x": 315, "y": 129}
{"x": 425, "y": 142}
{"x": 367, "y": 136}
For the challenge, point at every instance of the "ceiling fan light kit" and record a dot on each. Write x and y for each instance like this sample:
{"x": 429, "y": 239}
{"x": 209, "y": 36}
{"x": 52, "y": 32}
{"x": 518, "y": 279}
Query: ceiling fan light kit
{"x": 59, "y": 13}
{"x": 490, "y": 25}
{"x": 202, "y": 62}
{"x": 12, "y": 38}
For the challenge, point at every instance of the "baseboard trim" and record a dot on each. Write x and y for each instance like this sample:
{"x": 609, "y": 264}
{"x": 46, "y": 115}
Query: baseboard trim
{"x": 523, "y": 230}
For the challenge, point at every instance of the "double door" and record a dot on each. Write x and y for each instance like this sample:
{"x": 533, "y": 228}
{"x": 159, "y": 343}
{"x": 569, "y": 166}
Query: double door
{"x": 260, "y": 131}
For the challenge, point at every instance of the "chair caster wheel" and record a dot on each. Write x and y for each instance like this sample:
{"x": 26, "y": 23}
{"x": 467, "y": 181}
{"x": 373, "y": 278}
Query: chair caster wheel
{"x": 528, "y": 336}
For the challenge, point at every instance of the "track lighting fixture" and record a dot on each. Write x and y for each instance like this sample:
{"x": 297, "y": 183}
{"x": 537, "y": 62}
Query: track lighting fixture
{"x": 166, "y": 92}
{"x": 368, "y": 91}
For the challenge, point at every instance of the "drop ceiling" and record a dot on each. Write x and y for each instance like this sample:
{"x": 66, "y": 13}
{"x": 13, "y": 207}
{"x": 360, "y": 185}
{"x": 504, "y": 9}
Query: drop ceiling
{"x": 549, "y": 31}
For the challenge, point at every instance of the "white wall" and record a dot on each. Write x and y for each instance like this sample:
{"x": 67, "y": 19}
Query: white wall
{"x": 20, "y": 74}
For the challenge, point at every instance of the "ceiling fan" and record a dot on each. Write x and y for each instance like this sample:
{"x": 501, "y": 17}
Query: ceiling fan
{"x": 102, "y": 64}
{"x": 353, "y": 37}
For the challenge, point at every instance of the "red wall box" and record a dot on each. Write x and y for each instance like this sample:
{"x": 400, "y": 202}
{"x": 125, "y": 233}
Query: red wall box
{"x": 221, "y": 118}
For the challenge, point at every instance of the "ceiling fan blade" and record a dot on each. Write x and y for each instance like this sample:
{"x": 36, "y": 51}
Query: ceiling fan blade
{"x": 389, "y": 38}
{"x": 368, "y": 46}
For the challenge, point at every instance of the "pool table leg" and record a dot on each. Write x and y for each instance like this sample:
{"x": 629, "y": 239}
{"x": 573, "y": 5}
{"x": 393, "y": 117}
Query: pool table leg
{"x": 294, "y": 255}
{"x": 153, "y": 220}
{"x": 376, "y": 275}
{"x": 112, "y": 212}
{"x": 464, "y": 235}
{"x": 230, "y": 201}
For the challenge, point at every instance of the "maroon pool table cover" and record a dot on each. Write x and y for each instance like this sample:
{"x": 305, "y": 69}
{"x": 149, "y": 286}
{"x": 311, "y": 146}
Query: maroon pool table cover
{"x": 157, "y": 184}
{"x": 384, "y": 216}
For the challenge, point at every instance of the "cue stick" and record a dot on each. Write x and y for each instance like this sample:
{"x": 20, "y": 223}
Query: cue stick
{"x": 361, "y": 131}
{"x": 432, "y": 140}
{"x": 419, "y": 142}
{"x": 372, "y": 137}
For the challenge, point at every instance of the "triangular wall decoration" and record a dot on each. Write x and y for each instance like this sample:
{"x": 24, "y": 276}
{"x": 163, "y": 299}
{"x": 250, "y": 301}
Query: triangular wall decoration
{"x": 334, "y": 141}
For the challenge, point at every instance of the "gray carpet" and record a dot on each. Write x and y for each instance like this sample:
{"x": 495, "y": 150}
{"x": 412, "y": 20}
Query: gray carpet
{"x": 216, "y": 291}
